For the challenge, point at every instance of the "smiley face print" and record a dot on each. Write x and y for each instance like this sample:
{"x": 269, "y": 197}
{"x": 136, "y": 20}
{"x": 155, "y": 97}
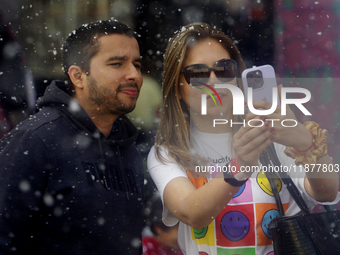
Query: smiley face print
{"x": 267, "y": 218}
{"x": 264, "y": 184}
{"x": 235, "y": 225}
{"x": 200, "y": 233}
{"x": 239, "y": 192}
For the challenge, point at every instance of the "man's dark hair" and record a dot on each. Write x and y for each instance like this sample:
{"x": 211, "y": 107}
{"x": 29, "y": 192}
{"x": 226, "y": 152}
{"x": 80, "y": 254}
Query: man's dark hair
{"x": 82, "y": 44}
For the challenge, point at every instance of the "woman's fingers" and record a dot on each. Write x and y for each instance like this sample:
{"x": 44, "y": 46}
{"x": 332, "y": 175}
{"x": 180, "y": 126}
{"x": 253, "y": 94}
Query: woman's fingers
{"x": 251, "y": 129}
{"x": 249, "y": 154}
{"x": 253, "y": 138}
{"x": 263, "y": 106}
{"x": 258, "y": 143}
{"x": 249, "y": 123}
{"x": 249, "y": 142}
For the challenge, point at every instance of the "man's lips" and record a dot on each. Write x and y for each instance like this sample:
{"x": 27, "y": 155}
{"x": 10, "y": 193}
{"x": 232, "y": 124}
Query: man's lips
{"x": 130, "y": 92}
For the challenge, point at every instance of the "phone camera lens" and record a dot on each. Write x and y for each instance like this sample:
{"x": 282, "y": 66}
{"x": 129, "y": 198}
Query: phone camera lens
{"x": 258, "y": 75}
{"x": 255, "y": 79}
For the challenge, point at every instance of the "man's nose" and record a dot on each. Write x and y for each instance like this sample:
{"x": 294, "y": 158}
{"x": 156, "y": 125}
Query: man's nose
{"x": 133, "y": 73}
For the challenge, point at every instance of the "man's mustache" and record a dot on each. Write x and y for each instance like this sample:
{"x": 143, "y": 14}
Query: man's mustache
{"x": 128, "y": 85}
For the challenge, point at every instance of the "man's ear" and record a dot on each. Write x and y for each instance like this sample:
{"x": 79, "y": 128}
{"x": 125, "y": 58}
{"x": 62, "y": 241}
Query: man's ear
{"x": 76, "y": 76}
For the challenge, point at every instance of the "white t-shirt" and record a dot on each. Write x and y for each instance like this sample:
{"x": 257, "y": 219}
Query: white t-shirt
{"x": 241, "y": 227}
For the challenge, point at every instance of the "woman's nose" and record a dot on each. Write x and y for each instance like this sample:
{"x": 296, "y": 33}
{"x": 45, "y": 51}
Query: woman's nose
{"x": 212, "y": 75}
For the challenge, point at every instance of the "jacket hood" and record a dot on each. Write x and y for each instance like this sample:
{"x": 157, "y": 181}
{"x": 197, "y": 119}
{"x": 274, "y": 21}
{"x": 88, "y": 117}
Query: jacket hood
{"x": 55, "y": 96}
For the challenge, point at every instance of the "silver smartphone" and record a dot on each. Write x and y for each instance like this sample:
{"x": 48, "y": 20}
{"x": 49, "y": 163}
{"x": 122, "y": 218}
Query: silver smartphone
{"x": 262, "y": 80}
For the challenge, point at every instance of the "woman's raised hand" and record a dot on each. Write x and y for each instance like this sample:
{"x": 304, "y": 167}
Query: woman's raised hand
{"x": 288, "y": 130}
{"x": 250, "y": 141}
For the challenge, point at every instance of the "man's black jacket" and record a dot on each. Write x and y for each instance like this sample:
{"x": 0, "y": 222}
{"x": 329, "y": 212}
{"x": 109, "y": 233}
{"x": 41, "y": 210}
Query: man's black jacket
{"x": 65, "y": 188}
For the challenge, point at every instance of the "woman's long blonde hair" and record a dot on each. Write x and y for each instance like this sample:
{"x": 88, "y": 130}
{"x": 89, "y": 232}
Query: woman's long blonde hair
{"x": 173, "y": 132}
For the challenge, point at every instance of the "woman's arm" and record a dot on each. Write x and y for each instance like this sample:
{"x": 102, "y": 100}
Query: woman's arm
{"x": 198, "y": 207}
{"x": 321, "y": 185}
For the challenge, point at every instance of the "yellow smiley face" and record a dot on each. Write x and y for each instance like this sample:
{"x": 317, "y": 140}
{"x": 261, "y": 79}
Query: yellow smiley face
{"x": 264, "y": 184}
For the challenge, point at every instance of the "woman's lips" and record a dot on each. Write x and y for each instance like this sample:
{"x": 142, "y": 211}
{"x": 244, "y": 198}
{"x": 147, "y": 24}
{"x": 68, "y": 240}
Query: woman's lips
{"x": 222, "y": 95}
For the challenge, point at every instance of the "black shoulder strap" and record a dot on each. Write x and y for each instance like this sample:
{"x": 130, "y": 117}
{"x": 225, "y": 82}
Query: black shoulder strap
{"x": 264, "y": 158}
{"x": 293, "y": 190}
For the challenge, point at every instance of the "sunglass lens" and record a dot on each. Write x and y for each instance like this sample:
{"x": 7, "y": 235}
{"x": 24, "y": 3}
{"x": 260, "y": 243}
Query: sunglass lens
{"x": 225, "y": 69}
{"x": 196, "y": 71}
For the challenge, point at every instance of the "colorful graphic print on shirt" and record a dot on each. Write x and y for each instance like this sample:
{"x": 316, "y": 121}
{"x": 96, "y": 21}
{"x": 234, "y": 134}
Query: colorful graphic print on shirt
{"x": 243, "y": 224}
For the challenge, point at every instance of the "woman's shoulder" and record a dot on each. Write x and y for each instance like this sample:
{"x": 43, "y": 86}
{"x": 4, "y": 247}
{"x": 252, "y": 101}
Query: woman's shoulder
{"x": 162, "y": 172}
{"x": 158, "y": 156}
{"x": 156, "y": 152}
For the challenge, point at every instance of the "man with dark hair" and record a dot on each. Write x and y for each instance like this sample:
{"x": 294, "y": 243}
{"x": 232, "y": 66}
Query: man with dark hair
{"x": 71, "y": 178}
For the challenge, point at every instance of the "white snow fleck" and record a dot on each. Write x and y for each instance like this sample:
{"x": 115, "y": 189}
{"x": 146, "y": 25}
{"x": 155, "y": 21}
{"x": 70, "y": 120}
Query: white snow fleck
{"x": 60, "y": 197}
{"x": 74, "y": 106}
{"x": 24, "y": 186}
{"x": 136, "y": 242}
{"x": 48, "y": 200}
{"x": 101, "y": 221}
{"x": 58, "y": 212}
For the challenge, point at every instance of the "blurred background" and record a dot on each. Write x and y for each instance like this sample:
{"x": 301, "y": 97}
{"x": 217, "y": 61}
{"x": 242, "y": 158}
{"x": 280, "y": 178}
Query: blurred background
{"x": 300, "y": 38}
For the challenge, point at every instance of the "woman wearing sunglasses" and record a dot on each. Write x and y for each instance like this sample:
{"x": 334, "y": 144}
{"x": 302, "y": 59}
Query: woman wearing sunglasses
{"x": 227, "y": 215}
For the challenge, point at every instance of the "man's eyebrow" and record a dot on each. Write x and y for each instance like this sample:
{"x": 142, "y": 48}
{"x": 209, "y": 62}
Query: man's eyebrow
{"x": 117, "y": 58}
{"x": 138, "y": 59}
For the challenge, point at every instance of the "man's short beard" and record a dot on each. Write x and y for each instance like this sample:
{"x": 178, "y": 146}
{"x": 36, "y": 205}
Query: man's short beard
{"x": 107, "y": 100}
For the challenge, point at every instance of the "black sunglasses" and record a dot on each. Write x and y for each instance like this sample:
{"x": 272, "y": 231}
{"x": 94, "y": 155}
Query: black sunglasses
{"x": 224, "y": 68}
